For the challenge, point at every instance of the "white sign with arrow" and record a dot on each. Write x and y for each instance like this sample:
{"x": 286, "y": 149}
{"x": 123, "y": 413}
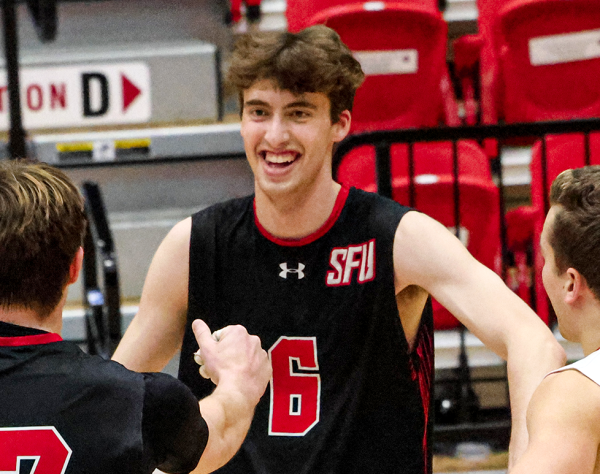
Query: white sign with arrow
{"x": 80, "y": 96}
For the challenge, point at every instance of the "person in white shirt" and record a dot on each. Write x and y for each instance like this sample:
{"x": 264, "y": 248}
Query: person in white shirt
{"x": 564, "y": 412}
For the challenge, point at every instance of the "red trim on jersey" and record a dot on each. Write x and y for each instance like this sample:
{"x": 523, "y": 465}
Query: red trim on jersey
{"x": 423, "y": 373}
{"x": 335, "y": 213}
{"x": 30, "y": 340}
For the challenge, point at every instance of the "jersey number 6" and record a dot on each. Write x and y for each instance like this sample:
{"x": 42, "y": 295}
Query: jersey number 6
{"x": 295, "y": 386}
{"x": 39, "y": 449}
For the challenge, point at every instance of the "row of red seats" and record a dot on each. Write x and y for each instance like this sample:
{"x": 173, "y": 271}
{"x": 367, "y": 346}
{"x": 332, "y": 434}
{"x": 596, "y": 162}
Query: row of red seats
{"x": 532, "y": 60}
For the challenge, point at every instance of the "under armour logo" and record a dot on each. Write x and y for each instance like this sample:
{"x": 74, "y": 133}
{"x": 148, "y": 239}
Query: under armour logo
{"x": 298, "y": 271}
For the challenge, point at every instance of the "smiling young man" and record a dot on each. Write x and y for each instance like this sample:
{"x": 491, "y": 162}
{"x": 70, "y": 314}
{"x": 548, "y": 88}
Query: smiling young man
{"x": 335, "y": 281}
{"x": 562, "y": 418}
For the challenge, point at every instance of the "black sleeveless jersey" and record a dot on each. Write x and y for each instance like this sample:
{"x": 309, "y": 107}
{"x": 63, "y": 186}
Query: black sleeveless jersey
{"x": 65, "y": 412}
{"x": 346, "y": 395}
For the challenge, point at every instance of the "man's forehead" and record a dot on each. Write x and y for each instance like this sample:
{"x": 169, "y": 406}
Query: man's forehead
{"x": 549, "y": 222}
{"x": 271, "y": 88}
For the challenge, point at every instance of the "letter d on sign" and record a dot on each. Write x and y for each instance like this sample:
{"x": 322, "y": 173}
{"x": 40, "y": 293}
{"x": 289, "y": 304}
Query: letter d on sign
{"x": 96, "y": 84}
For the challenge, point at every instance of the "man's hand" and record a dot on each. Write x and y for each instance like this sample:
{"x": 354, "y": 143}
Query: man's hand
{"x": 233, "y": 358}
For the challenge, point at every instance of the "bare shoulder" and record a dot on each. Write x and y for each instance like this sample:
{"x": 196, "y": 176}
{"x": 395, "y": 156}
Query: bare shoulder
{"x": 179, "y": 235}
{"x": 434, "y": 251}
{"x": 567, "y": 397}
{"x": 170, "y": 262}
{"x": 564, "y": 434}
{"x": 414, "y": 223}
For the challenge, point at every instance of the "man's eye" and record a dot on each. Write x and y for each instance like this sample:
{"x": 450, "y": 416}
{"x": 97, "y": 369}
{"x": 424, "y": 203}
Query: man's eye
{"x": 300, "y": 114}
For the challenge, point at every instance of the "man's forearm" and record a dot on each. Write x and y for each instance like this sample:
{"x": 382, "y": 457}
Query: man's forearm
{"x": 228, "y": 414}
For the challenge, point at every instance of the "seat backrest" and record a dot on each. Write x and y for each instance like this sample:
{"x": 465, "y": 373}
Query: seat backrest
{"x": 298, "y": 13}
{"x": 549, "y": 58}
{"x": 402, "y": 49}
{"x": 487, "y": 11}
{"x": 562, "y": 152}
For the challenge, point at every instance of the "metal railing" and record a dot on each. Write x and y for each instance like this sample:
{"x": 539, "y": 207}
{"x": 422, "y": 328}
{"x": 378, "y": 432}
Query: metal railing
{"x": 466, "y": 403}
{"x": 383, "y": 140}
{"x": 102, "y": 300}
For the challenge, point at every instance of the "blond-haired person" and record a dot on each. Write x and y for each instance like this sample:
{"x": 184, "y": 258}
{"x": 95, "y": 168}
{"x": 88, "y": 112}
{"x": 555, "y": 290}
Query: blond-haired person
{"x": 562, "y": 419}
{"x": 63, "y": 411}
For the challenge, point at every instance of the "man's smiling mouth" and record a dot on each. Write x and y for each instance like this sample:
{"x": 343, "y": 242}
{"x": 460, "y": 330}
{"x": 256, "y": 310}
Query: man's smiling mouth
{"x": 280, "y": 159}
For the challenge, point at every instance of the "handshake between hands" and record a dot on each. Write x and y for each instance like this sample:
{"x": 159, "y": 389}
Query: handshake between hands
{"x": 232, "y": 357}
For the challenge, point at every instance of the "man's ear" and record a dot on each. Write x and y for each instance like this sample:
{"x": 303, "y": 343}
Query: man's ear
{"x": 76, "y": 265}
{"x": 342, "y": 126}
{"x": 575, "y": 285}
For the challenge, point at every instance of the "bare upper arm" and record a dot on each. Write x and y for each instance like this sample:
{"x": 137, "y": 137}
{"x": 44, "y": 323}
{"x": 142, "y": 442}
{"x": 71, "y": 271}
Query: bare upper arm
{"x": 156, "y": 332}
{"x": 562, "y": 421}
{"x": 426, "y": 254}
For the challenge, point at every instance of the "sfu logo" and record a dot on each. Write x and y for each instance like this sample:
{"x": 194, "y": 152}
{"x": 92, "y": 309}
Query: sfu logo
{"x": 346, "y": 261}
{"x": 297, "y": 271}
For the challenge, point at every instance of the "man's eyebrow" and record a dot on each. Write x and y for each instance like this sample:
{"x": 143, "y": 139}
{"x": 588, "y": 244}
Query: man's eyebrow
{"x": 253, "y": 102}
{"x": 301, "y": 103}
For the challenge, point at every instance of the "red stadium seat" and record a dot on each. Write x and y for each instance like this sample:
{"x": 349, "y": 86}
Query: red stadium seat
{"x": 524, "y": 225}
{"x": 252, "y": 10}
{"x": 434, "y": 195}
{"x": 540, "y": 59}
{"x": 549, "y": 54}
{"x": 402, "y": 48}
{"x": 300, "y": 12}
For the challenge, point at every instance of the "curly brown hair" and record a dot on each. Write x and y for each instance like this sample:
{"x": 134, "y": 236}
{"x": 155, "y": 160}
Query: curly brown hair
{"x": 312, "y": 60}
{"x": 42, "y": 224}
{"x": 575, "y": 235}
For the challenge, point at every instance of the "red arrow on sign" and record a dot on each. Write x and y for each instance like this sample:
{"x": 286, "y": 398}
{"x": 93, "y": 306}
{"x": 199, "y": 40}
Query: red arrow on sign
{"x": 130, "y": 92}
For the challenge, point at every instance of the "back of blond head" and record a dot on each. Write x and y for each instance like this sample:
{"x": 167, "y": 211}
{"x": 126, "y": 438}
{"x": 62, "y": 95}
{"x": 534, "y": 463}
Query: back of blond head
{"x": 42, "y": 223}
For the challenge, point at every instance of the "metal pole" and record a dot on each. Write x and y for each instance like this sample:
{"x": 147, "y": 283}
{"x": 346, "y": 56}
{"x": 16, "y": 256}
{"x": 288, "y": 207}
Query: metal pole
{"x": 383, "y": 165}
{"x": 16, "y": 136}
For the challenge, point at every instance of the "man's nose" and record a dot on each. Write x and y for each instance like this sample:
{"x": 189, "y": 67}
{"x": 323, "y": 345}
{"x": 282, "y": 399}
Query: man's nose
{"x": 277, "y": 132}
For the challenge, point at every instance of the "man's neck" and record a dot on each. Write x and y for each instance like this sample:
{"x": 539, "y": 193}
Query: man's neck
{"x": 296, "y": 216}
{"x": 31, "y": 319}
{"x": 588, "y": 318}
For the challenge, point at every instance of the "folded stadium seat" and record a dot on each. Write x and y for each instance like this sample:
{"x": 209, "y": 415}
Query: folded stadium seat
{"x": 525, "y": 224}
{"x": 402, "y": 48}
{"x": 299, "y": 13}
{"x": 549, "y": 52}
{"x": 539, "y": 59}
{"x": 434, "y": 195}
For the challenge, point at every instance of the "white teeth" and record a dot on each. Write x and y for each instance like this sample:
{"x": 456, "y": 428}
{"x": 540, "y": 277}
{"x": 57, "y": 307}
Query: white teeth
{"x": 280, "y": 157}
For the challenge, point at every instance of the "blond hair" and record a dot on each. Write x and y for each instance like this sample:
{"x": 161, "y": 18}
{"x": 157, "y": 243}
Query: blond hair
{"x": 42, "y": 224}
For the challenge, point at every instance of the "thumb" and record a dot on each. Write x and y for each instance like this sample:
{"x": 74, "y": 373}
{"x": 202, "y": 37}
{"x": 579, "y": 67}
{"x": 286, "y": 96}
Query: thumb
{"x": 202, "y": 333}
